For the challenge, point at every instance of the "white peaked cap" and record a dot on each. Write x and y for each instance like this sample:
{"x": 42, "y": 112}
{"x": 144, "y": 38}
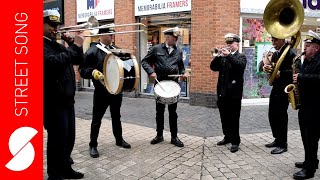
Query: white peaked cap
{"x": 173, "y": 31}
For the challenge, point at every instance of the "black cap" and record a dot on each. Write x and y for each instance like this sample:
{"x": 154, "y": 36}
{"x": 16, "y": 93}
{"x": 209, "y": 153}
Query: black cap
{"x": 108, "y": 28}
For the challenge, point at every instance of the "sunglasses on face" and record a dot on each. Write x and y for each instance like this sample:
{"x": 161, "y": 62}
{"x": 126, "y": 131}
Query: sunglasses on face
{"x": 54, "y": 25}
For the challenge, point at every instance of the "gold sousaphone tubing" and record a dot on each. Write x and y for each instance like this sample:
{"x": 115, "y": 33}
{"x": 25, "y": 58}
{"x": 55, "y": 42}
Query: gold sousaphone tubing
{"x": 283, "y": 19}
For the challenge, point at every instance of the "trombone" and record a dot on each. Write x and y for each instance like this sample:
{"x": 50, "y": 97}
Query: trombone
{"x": 95, "y": 33}
{"x": 92, "y": 25}
{"x": 89, "y": 25}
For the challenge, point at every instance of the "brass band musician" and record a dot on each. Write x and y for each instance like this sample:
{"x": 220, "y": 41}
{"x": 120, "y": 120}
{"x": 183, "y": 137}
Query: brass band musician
{"x": 308, "y": 80}
{"x": 231, "y": 65}
{"x": 92, "y": 68}
{"x": 278, "y": 101}
{"x": 59, "y": 92}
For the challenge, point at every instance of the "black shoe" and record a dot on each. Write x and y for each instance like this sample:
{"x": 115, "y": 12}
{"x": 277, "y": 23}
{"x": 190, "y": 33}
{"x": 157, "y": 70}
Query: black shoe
{"x": 223, "y": 142}
{"x": 72, "y": 174}
{"x": 176, "y": 141}
{"x": 234, "y": 148}
{"x": 156, "y": 140}
{"x": 93, "y": 152}
{"x": 55, "y": 178}
{"x": 71, "y": 160}
{"x": 123, "y": 144}
{"x": 279, "y": 150}
{"x": 304, "y": 174}
{"x": 271, "y": 145}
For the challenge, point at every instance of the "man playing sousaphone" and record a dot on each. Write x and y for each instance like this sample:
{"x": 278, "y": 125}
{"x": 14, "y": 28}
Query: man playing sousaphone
{"x": 278, "y": 101}
{"x": 163, "y": 60}
{"x": 92, "y": 68}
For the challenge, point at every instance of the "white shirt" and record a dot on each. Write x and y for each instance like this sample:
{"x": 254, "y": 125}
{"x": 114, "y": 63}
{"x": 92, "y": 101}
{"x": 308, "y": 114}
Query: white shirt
{"x": 170, "y": 48}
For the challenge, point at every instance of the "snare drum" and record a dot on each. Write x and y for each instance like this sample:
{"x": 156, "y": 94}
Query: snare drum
{"x": 169, "y": 94}
{"x": 121, "y": 72}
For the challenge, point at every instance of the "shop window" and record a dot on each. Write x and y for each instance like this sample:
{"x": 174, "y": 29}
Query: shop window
{"x": 257, "y": 47}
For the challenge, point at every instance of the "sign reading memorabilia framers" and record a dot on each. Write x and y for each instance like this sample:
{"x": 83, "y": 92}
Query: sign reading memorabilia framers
{"x": 148, "y": 7}
{"x": 100, "y": 9}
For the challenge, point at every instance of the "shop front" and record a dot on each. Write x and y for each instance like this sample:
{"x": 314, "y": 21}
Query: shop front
{"x": 103, "y": 11}
{"x": 158, "y": 16}
{"x": 257, "y": 42}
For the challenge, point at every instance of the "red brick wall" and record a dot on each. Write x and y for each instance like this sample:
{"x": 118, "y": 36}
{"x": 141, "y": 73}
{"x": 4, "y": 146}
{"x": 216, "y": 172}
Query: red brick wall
{"x": 70, "y": 12}
{"x": 124, "y": 14}
{"x": 70, "y": 19}
{"x": 210, "y": 21}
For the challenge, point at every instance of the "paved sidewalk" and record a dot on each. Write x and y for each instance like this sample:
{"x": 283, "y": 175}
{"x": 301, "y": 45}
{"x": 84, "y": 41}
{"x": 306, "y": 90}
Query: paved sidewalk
{"x": 200, "y": 159}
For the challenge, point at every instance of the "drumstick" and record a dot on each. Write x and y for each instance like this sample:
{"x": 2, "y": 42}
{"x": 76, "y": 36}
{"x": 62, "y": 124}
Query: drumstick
{"x": 174, "y": 75}
{"x": 160, "y": 84}
{"x": 177, "y": 75}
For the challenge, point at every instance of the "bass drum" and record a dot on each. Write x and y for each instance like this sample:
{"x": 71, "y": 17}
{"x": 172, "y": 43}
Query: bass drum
{"x": 167, "y": 92}
{"x": 121, "y": 72}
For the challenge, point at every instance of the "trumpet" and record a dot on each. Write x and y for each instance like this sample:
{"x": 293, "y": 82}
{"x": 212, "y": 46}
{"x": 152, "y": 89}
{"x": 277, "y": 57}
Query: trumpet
{"x": 217, "y": 52}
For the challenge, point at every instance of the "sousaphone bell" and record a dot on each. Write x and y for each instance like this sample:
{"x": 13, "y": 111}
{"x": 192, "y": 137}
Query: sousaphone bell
{"x": 283, "y": 19}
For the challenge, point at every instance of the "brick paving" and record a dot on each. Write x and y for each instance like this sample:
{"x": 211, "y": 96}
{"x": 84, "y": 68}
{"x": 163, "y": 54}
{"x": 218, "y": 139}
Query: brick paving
{"x": 200, "y": 159}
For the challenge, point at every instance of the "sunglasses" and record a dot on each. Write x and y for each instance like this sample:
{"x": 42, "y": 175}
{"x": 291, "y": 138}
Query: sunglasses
{"x": 52, "y": 24}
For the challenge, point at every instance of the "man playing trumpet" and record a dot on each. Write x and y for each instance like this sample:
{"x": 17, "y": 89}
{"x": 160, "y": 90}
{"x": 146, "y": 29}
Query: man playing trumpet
{"x": 231, "y": 65}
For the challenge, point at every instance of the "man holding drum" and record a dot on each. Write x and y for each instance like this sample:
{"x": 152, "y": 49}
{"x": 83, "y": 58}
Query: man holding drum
{"x": 92, "y": 68}
{"x": 163, "y": 60}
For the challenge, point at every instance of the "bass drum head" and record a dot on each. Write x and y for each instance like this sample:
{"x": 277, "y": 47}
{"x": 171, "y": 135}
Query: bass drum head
{"x": 113, "y": 72}
{"x": 171, "y": 89}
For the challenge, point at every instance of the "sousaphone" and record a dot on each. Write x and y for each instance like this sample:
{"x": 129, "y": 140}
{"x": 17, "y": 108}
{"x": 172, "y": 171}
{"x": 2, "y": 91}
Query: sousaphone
{"x": 283, "y": 19}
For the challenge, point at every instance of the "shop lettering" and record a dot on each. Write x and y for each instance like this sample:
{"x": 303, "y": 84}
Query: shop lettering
{"x": 95, "y": 13}
{"x": 176, "y": 4}
{"x": 151, "y": 7}
{"x": 312, "y": 6}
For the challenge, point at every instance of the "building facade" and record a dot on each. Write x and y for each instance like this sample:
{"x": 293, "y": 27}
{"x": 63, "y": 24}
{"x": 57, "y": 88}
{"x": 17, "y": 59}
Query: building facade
{"x": 203, "y": 25}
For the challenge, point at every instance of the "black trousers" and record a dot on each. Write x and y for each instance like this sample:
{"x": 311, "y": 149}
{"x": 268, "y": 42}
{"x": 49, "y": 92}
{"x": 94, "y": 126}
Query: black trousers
{"x": 229, "y": 109}
{"x": 101, "y": 101}
{"x": 278, "y": 115}
{"x": 61, "y": 137}
{"x": 309, "y": 128}
{"x": 173, "y": 117}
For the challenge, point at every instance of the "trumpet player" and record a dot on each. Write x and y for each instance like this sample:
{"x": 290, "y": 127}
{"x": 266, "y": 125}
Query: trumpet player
{"x": 59, "y": 91}
{"x": 278, "y": 101}
{"x": 231, "y": 65}
{"x": 308, "y": 81}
